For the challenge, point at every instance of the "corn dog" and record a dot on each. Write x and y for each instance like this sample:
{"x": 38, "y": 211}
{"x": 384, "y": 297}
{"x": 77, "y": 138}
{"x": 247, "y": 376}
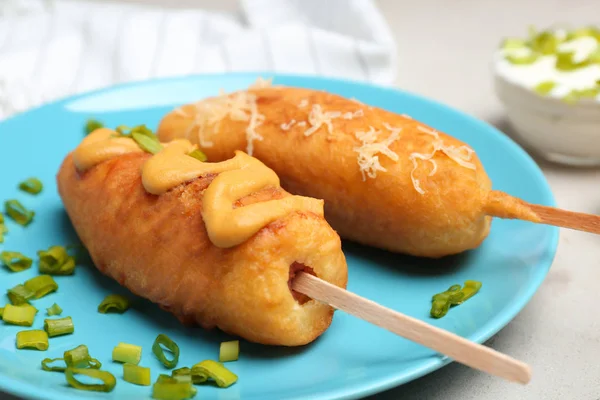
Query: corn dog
{"x": 388, "y": 181}
{"x": 215, "y": 244}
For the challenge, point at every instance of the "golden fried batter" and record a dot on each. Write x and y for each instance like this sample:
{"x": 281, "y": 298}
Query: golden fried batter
{"x": 157, "y": 247}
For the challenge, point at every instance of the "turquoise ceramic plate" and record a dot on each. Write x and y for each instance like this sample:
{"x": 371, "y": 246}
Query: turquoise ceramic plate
{"x": 352, "y": 359}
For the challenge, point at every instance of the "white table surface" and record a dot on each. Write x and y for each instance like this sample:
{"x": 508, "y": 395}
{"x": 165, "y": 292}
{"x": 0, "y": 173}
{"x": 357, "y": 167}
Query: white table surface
{"x": 444, "y": 48}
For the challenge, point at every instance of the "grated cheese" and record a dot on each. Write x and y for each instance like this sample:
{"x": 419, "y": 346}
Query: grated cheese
{"x": 368, "y": 152}
{"x": 406, "y": 116}
{"x": 303, "y": 103}
{"x": 261, "y": 83}
{"x": 301, "y": 123}
{"x": 350, "y": 115}
{"x": 461, "y": 155}
{"x": 286, "y": 127}
{"x": 317, "y": 118}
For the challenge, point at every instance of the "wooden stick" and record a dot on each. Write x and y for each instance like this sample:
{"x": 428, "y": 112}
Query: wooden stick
{"x": 567, "y": 219}
{"x": 472, "y": 354}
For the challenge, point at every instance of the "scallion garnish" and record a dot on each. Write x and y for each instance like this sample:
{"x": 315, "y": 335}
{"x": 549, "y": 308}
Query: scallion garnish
{"x": 108, "y": 379}
{"x": 91, "y": 125}
{"x": 159, "y": 352}
{"x": 41, "y": 285}
{"x": 3, "y": 228}
{"x": 169, "y": 388}
{"x": 46, "y": 365}
{"x": 216, "y": 371}
{"x": 523, "y": 59}
{"x": 1, "y": 311}
{"x": 229, "y": 351}
{"x": 56, "y": 261}
{"x": 19, "y": 295}
{"x": 58, "y": 327}
{"x": 31, "y": 186}
{"x": 150, "y": 144}
{"x": 198, "y": 155}
{"x": 127, "y": 353}
{"x": 34, "y": 339}
{"x": 442, "y": 302}
{"x": 16, "y": 210}
{"x": 79, "y": 357}
{"x": 54, "y": 310}
{"x": 545, "y": 87}
{"x": 22, "y": 315}
{"x": 15, "y": 261}
{"x": 114, "y": 303}
{"x": 469, "y": 290}
{"x": 136, "y": 374}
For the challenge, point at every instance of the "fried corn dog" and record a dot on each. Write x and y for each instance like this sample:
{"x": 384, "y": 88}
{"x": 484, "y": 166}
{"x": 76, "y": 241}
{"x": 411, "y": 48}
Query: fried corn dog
{"x": 388, "y": 181}
{"x": 215, "y": 244}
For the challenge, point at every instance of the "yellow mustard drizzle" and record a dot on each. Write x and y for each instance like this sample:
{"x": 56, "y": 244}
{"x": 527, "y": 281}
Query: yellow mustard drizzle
{"x": 102, "y": 145}
{"x": 238, "y": 177}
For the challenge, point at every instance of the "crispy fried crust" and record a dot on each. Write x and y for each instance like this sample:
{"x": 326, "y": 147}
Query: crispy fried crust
{"x": 385, "y": 212}
{"x": 157, "y": 247}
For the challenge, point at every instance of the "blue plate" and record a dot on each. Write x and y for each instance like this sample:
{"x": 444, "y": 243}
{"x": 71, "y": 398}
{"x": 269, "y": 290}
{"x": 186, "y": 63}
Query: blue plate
{"x": 353, "y": 358}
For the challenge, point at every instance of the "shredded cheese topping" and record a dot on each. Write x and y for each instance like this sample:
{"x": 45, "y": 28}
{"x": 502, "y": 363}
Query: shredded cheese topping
{"x": 286, "y": 127}
{"x": 262, "y": 83}
{"x": 368, "y": 152}
{"x": 317, "y": 118}
{"x": 303, "y": 103}
{"x": 461, "y": 155}
{"x": 350, "y": 115}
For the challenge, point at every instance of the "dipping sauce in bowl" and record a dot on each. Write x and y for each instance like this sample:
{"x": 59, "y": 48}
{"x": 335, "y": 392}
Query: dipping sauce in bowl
{"x": 549, "y": 84}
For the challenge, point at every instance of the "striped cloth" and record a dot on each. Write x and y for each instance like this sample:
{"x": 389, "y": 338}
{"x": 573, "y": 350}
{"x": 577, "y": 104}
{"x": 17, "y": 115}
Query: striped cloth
{"x": 53, "y": 48}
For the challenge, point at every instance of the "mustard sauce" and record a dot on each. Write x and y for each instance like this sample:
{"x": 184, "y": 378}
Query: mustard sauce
{"x": 238, "y": 177}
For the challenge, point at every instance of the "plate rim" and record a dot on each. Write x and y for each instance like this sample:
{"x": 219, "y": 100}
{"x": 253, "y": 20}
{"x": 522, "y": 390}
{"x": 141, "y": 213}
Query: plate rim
{"x": 485, "y": 332}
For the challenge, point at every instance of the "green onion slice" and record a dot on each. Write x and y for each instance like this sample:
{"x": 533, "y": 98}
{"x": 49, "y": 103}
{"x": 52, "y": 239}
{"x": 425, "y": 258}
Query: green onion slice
{"x": 114, "y": 303}
{"x": 136, "y": 374}
{"x": 127, "y": 353}
{"x": 56, "y": 261}
{"x": 441, "y": 302}
{"x": 469, "y": 290}
{"x": 3, "y": 228}
{"x": 198, "y": 155}
{"x": 513, "y": 43}
{"x": 15, "y": 210}
{"x": 33, "y": 339}
{"x": 19, "y": 295}
{"x": 1, "y": 311}
{"x": 79, "y": 357}
{"x": 31, "y": 186}
{"x": 108, "y": 379}
{"x": 216, "y": 371}
{"x": 58, "y": 327}
{"x": 54, "y": 310}
{"x": 522, "y": 59}
{"x": 22, "y": 315}
{"x": 544, "y": 42}
{"x": 46, "y": 365}
{"x": 150, "y": 144}
{"x": 159, "y": 352}
{"x": 229, "y": 351}
{"x": 545, "y": 87}
{"x": 15, "y": 261}
{"x": 169, "y": 388}
{"x": 91, "y": 125}
{"x": 41, "y": 285}
{"x": 565, "y": 62}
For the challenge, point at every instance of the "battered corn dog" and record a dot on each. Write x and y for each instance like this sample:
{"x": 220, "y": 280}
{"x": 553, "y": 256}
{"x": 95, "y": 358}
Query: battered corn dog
{"x": 213, "y": 243}
{"x": 387, "y": 180}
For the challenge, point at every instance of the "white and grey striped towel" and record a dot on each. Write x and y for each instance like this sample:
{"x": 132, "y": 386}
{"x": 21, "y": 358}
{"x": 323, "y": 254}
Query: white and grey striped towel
{"x": 52, "y": 48}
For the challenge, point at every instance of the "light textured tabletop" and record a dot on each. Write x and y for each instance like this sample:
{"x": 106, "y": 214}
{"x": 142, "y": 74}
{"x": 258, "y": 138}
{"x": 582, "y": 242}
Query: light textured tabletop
{"x": 444, "y": 51}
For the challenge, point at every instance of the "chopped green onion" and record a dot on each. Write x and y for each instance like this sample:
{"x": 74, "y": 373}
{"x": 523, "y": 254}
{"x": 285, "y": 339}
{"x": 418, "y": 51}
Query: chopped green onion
{"x": 31, "y": 186}
{"x": 54, "y": 310}
{"x": 79, "y": 357}
{"x": 198, "y": 155}
{"x": 441, "y": 302}
{"x": 216, "y": 371}
{"x": 108, "y": 380}
{"x": 22, "y": 315}
{"x": 136, "y": 374}
{"x": 576, "y": 95}
{"x": 3, "y": 228}
{"x": 58, "y": 327}
{"x": 34, "y": 339}
{"x": 169, "y": 388}
{"x": 15, "y": 210}
{"x": 160, "y": 353}
{"x": 513, "y": 43}
{"x": 469, "y": 290}
{"x": 522, "y": 60}
{"x": 15, "y": 261}
{"x": 114, "y": 303}
{"x": 544, "y": 88}
{"x": 566, "y": 62}
{"x": 181, "y": 373}
{"x": 91, "y": 125}
{"x": 544, "y": 43}
{"x": 56, "y": 261}
{"x": 584, "y": 32}
{"x": 1, "y": 311}
{"x": 19, "y": 295}
{"x": 46, "y": 365}
{"x": 150, "y": 144}
{"x": 41, "y": 285}
{"x": 229, "y": 351}
{"x": 127, "y": 353}
{"x": 121, "y": 130}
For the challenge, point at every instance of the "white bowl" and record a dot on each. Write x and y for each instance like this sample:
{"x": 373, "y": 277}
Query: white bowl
{"x": 556, "y": 130}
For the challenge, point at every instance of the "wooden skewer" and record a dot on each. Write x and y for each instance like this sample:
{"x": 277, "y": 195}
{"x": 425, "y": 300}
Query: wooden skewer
{"x": 472, "y": 354}
{"x": 503, "y": 205}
